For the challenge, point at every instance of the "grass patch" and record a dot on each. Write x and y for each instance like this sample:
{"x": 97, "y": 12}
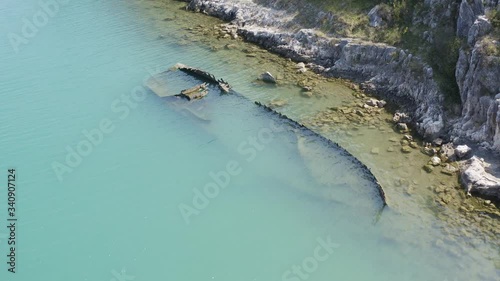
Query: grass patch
{"x": 491, "y": 47}
{"x": 494, "y": 16}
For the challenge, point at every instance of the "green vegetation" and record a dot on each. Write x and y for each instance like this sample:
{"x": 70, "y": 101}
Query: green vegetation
{"x": 491, "y": 46}
{"x": 442, "y": 56}
{"x": 441, "y": 53}
{"x": 494, "y": 16}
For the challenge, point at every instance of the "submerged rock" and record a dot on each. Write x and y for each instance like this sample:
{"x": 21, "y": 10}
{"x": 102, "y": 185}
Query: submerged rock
{"x": 268, "y": 77}
{"x": 428, "y": 168}
{"x": 307, "y": 94}
{"x": 277, "y": 103}
{"x": 413, "y": 144}
{"x": 406, "y": 149}
{"x": 449, "y": 170}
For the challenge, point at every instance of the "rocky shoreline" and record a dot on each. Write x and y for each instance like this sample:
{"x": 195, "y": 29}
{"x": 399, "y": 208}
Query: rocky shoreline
{"x": 393, "y": 74}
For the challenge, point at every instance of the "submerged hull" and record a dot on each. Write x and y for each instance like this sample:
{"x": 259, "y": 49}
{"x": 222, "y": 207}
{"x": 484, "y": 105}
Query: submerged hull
{"x": 326, "y": 166}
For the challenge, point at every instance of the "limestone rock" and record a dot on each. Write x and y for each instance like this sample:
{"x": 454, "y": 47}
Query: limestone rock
{"x": 448, "y": 152}
{"x": 477, "y": 72}
{"x": 406, "y": 149}
{"x": 402, "y": 127}
{"x": 388, "y": 71}
{"x": 372, "y": 102}
{"x": 437, "y": 142}
{"x": 400, "y": 117}
{"x": 230, "y": 46}
{"x": 480, "y": 28}
{"x": 381, "y": 103}
{"x": 268, "y": 77}
{"x": 465, "y": 19}
{"x": 435, "y": 161}
{"x": 379, "y": 16}
{"x": 461, "y": 151}
{"x": 429, "y": 151}
{"x": 449, "y": 170}
{"x": 476, "y": 179}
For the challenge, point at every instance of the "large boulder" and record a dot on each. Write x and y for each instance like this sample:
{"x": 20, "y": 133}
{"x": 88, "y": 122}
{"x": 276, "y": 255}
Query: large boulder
{"x": 481, "y": 27}
{"x": 465, "y": 20}
{"x": 380, "y": 16}
{"x": 477, "y": 178}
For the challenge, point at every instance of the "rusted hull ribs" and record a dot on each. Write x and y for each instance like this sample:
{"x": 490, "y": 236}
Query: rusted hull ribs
{"x": 223, "y": 85}
{"x": 226, "y": 88}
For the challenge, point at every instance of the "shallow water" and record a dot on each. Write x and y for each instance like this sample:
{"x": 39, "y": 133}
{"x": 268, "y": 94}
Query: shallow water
{"x": 118, "y": 207}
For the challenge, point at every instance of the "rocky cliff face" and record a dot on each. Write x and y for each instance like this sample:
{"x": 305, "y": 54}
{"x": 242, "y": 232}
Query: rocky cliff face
{"x": 391, "y": 73}
{"x": 290, "y": 28}
{"x": 478, "y": 76}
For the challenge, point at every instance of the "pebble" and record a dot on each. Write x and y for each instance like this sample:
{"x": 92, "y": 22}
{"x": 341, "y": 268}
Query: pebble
{"x": 435, "y": 161}
{"x": 428, "y": 168}
{"x": 402, "y": 127}
{"x": 406, "y": 149}
{"x": 408, "y": 137}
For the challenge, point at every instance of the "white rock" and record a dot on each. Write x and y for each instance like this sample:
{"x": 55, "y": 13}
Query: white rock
{"x": 372, "y": 102}
{"x": 476, "y": 179}
{"x": 435, "y": 161}
{"x": 461, "y": 151}
{"x": 400, "y": 117}
{"x": 300, "y": 65}
{"x": 268, "y": 77}
{"x": 381, "y": 103}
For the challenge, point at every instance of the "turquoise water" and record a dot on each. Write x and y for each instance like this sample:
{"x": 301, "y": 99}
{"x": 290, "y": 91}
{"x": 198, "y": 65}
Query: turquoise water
{"x": 123, "y": 209}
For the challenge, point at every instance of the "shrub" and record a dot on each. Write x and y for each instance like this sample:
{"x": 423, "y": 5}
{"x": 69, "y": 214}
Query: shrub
{"x": 494, "y": 17}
